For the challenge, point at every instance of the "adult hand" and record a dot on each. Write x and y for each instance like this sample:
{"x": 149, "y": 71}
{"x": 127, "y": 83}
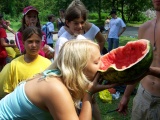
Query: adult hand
{"x": 13, "y": 45}
{"x": 123, "y": 105}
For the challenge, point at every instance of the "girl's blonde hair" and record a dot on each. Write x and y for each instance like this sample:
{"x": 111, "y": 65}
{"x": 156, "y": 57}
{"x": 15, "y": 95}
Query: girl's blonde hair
{"x": 71, "y": 61}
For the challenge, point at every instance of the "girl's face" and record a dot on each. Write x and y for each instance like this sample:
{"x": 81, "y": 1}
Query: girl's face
{"x": 93, "y": 64}
{"x": 32, "y": 45}
{"x": 113, "y": 15}
{"x": 76, "y": 26}
{"x": 31, "y": 18}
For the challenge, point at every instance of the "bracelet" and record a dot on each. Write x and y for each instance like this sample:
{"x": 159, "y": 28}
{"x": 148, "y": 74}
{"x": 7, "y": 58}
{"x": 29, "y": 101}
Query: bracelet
{"x": 90, "y": 93}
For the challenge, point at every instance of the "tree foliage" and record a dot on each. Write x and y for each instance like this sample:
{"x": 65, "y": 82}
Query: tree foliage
{"x": 129, "y": 10}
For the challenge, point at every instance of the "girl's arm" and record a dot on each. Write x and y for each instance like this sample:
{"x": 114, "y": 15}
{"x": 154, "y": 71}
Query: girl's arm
{"x": 8, "y": 28}
{"x": 100, "y": 40}
{"x": 4, "y": 44}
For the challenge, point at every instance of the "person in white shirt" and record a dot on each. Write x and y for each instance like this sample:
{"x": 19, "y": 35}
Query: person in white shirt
{"x": 89, "y": 31}
{"x": 116, "y": 28}
{"x": 50, "y": 30}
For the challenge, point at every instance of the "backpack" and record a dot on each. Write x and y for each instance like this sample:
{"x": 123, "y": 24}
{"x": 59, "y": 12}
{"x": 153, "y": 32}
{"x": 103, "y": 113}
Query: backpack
{"x": 45, "y": 30}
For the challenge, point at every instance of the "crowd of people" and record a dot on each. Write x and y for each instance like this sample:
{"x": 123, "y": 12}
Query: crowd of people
{"x": 44, "y": 80}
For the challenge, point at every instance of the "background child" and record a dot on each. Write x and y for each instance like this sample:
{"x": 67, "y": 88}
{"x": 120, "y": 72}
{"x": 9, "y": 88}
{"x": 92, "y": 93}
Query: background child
{"x": 25, "y": 66}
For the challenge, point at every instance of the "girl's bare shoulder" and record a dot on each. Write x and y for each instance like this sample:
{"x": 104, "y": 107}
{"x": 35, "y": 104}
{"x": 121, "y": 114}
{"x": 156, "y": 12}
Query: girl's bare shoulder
{"x": 51, "y": 86}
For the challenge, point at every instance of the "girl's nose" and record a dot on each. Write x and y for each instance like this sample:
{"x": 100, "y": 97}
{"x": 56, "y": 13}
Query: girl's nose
{"x": 34, "y": 44}
{"x": 80, "y": 25}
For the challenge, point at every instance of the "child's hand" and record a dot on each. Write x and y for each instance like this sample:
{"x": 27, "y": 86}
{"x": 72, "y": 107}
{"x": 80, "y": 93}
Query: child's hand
{"x": 49, "y": 52}
{"x": 94, "y": 86}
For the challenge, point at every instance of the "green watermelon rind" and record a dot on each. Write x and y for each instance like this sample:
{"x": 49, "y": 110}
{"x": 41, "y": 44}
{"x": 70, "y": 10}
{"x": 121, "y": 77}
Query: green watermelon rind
{"x": 132, "y": 72}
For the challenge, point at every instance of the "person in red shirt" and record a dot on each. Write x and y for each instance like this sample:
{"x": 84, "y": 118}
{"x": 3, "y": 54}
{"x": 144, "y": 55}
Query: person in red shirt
{"x": 3, "y": 44}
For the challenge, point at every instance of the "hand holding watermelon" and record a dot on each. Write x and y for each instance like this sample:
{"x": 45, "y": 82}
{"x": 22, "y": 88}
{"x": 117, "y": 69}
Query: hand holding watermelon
{"x": 95, "y": 87}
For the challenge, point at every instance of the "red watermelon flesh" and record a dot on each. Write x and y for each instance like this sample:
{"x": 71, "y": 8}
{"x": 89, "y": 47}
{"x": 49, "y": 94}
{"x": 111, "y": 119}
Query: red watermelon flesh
{"x": 125, "y": 57}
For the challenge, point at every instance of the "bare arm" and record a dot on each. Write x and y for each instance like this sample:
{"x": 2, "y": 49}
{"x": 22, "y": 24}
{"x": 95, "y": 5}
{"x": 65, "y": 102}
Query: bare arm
{"x": 154, "y": 71}
{"x": 8, "y": 28}
{"x": 4, "y": 44}
{"x": 11, "y": 30}
{"x": 123, "y": 29}
{"x": 123, "y": 105}
{"x": 100, "y": 40}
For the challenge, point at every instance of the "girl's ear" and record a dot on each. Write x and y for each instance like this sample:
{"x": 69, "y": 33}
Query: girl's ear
{"x": 67, "y": 23}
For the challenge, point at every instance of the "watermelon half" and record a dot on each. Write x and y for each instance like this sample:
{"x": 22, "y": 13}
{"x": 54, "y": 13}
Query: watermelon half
{"x": 127, "y": 63}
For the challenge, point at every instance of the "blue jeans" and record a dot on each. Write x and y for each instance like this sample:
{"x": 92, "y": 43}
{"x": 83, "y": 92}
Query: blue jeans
{"x": 112, "y": 43}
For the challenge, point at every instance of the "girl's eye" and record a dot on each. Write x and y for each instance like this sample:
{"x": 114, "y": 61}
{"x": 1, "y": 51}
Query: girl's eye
{"x": 96, "y": 62}
{"x": 30, "y": 42}
{"x": 31, "y": 16}
{"x": 37, "y": 41}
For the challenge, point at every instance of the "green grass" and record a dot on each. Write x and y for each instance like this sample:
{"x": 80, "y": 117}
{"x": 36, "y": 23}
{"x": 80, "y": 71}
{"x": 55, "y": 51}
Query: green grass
{"x": 104, "y": 107}
{"x": 15, "y": 25}
{"x": 123, "y": 40}
{"x": 135, "y": 24}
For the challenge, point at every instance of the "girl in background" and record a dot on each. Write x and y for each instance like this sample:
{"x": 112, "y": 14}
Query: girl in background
{"x": 26, "y": 65}
{"x": 30, "y": 18}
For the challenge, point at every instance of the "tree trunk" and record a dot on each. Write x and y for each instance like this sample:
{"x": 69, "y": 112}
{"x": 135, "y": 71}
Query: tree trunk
{"x": 99, "y": 10}
{"x": 122, "y": 11}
